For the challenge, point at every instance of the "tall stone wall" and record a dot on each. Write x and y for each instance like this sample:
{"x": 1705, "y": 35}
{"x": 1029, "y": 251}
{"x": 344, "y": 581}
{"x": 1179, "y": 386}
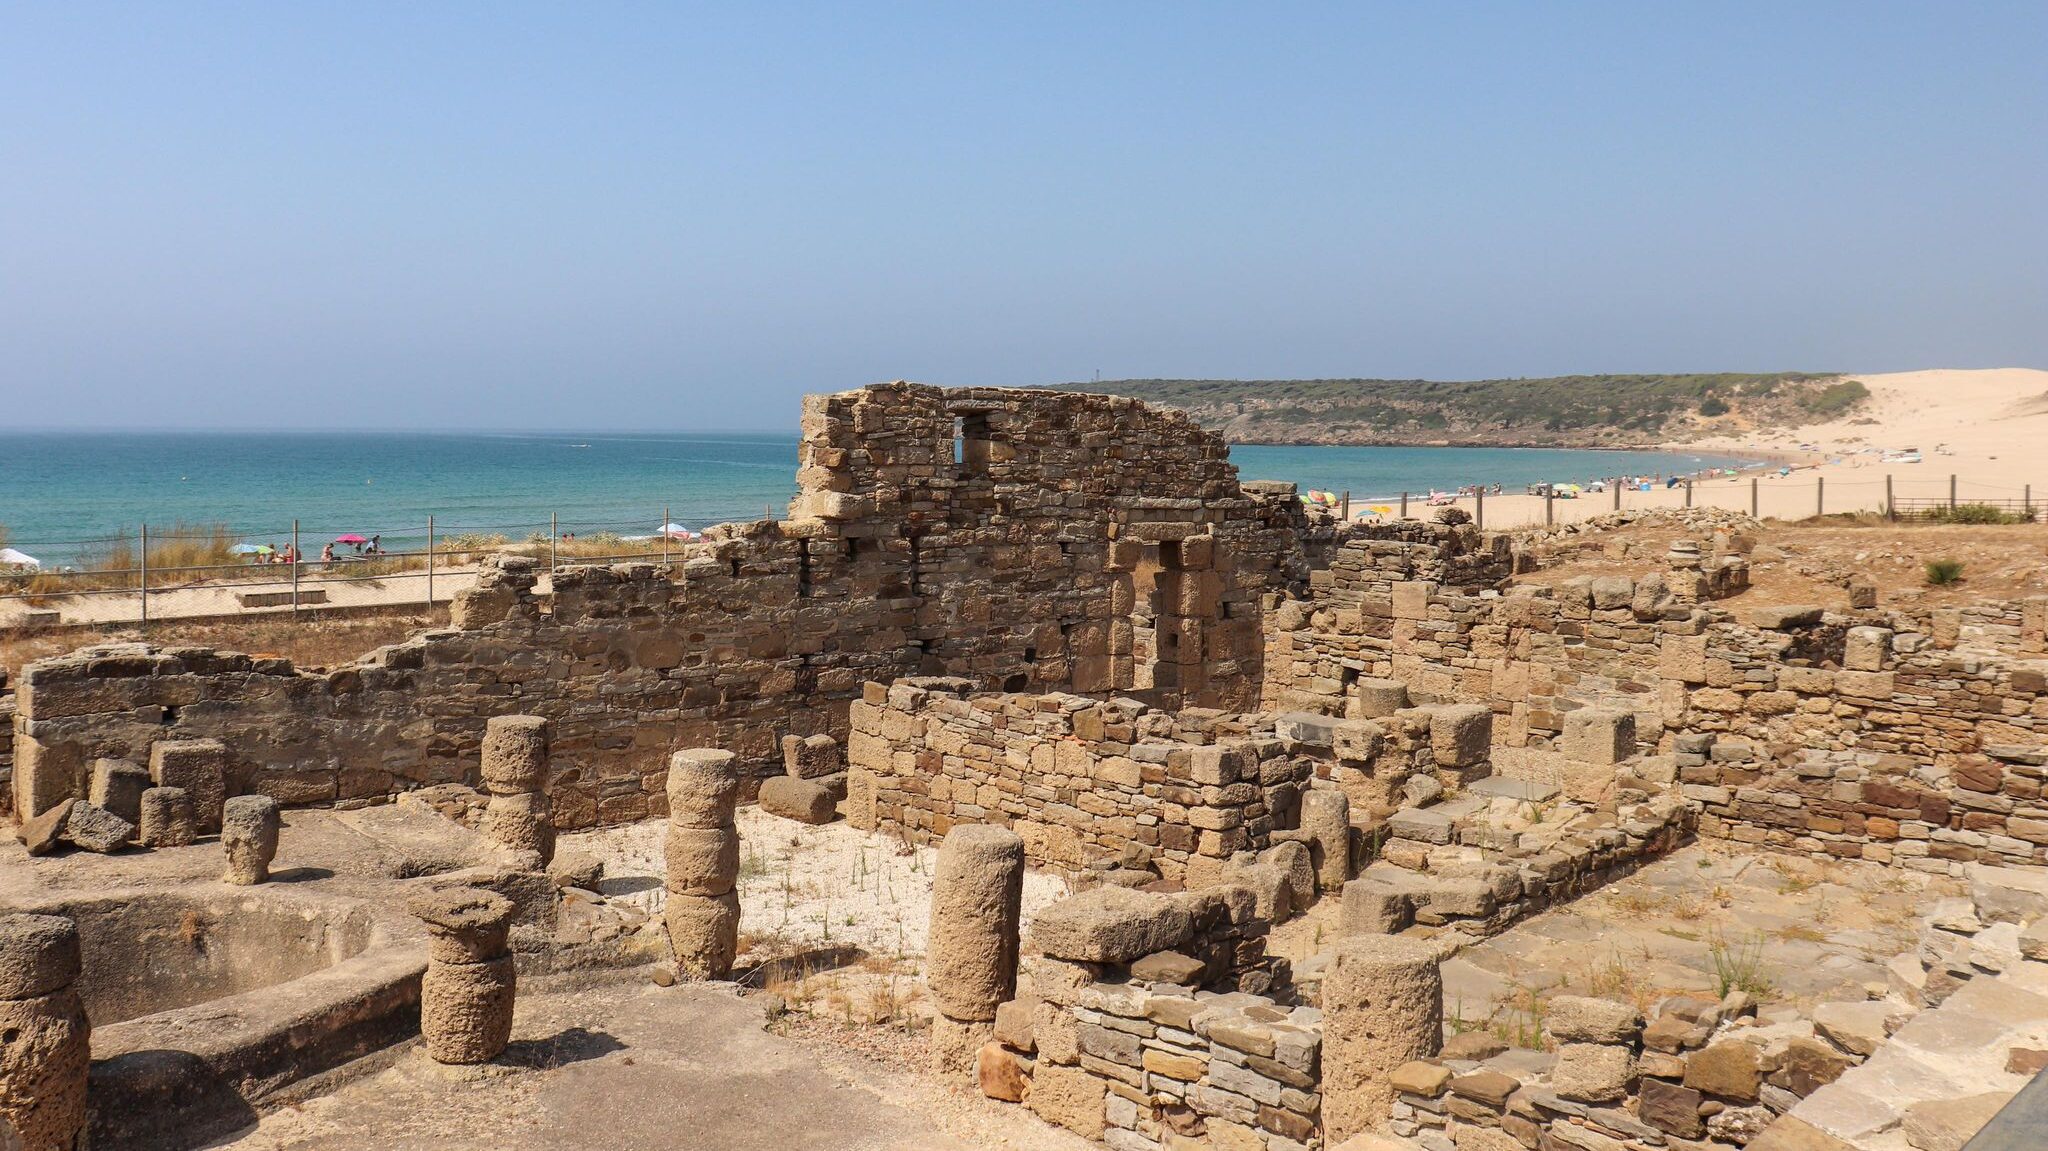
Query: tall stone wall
{"x": 1027, "y": 540}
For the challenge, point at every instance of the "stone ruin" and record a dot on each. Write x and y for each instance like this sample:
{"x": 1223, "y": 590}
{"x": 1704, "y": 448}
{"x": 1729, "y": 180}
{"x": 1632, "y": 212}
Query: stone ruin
{"x": 1291, "y": 771}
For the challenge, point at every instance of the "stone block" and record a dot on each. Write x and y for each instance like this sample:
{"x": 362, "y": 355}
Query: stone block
{"x": 1579, "y": 1019}
{"x": 1461, "y": 735}
{"x": 1599, "y": 735}
{"x": 1591, "y": 1072}
{"x": 199, "y": 766}
{"x": 1111, "y": 925}
{"x": 117, "y": 785}
{"x": 803, "y": 800}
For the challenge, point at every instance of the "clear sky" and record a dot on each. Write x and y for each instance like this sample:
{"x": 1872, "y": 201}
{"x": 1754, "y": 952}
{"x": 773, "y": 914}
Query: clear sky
{"x": 670, "y": 216}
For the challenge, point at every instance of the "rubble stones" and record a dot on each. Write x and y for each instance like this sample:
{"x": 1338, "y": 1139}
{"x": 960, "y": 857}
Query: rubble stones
{"x": 1578, "y": 1019}
{"x": 94, "y": 828}
{"x": 249, "y": 826}
{"x": 1727, "y": 1069}
{"x": 42, "y": 834}
{"x": 1591, "y": 1072}
{"x": 166, "y": 818}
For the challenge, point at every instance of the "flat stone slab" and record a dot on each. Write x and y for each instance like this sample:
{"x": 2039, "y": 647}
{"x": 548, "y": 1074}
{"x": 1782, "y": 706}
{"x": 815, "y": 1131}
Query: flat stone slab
{"x": 1521, "y": 789}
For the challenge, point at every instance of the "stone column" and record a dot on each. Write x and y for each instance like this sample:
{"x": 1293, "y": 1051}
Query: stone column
{"x": 467, "y": 993}
{"x": 515, "y": 769}
{"x": 1326, "y": 820}
{"x": 971, "y": 955}
{"x": 703, "y": 856}
{"x": 1383, "y": 1005}
{"x": 249, "y": 826}
{"x": 44, "y": 1035}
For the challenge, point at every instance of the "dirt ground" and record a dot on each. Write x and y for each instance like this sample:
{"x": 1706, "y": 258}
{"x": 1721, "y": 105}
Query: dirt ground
{"x": 307, "y": 642}
{"x": 1811, "y": 561}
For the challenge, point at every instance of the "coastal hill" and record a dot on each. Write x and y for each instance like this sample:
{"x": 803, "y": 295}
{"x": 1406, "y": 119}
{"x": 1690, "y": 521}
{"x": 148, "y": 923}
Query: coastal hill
{"x": 1552, "y": 411}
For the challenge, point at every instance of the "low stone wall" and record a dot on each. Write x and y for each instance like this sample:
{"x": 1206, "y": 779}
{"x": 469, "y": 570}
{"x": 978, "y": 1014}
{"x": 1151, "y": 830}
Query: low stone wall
{"x": 1883, "y": 807}
{"x": 1088, "y": 784}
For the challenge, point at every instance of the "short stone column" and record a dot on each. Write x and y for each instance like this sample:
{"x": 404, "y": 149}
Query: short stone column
{"x": 1383, "y": 1005}
{"x": 1326, "y": 823}
{"x": 971, "y": 951}
{"x": 44, "y": 1036}
{"x": 468, "y": 991}
{"x": 249, "y": 826}
{"x": 515, "y": 770}
{"x": 703, "y": 862}
{"x": 167, "y": 818}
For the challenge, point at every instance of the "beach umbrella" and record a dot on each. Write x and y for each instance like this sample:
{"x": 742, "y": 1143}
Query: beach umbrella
{"x": 250, "y": 549}
{"x": 674, "y": 531}
{"x": 351, "y": 538}
{"x": 19, "y": 559}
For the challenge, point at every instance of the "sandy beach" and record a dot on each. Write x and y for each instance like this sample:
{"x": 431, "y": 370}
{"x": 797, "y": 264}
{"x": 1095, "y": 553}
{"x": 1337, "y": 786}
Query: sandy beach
{"x": 1985, "y": 427}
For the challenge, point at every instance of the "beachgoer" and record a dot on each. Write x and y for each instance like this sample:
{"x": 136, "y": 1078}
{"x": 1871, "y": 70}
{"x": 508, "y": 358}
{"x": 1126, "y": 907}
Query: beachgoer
{"x": 327, "y": 554}
{"x": 376, "y": 547}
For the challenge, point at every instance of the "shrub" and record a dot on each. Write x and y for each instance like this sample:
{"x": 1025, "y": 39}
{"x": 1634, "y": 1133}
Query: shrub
{"x": 1453, "y": 516}
{"x": 1941, "y": 573}
{"x": 1712, "y": 406}
{"x": 1835, "y": 398}
{"x": 1975, "y": 514}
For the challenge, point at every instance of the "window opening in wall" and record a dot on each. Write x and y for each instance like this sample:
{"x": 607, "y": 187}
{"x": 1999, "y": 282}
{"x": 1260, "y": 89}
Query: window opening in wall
{"x": 970, "y": 444}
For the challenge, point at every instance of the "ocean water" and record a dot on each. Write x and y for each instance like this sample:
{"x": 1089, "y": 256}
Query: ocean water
{"x": 61, "y": 493}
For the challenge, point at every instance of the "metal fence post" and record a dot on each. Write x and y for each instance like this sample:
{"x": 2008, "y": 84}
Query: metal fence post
{"x": 1891, "y": 509}
{"x": 430, "y": 562}
{"x": 1345, "y": 514}
{"x": 1820, "y": 500}
{"x": 554, "y": 533}
{"x": 1617, "y": 495}
{"x": 1404, "y": 505}
{"x": 1951, "y": 493}
{"x": 1752, "y": 499}
{"x": 1688, "y": 493}
{"x": 665, "y": 521}
{"x": 1480, "y": 518}
{"x": 295, "y": 567}
{"x": 144, "y": 573}
{"x": 1547, "y": 514}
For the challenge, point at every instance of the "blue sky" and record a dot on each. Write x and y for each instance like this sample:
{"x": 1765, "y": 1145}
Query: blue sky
{"x": 662, "y": 215}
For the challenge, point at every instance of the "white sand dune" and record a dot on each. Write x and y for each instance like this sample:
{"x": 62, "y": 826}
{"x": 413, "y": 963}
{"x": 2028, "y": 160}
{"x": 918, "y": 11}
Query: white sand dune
{"x": 1986, "y": 427}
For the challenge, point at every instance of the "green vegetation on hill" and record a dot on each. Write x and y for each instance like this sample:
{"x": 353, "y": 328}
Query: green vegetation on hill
{"x": 1562, "y": 410}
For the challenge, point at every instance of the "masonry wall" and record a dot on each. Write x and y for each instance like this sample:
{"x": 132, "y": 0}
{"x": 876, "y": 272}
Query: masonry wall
{"x": 1085, "y": 783}
{"x": 1022, "y": 539}
{"x": 1874, "y": 734}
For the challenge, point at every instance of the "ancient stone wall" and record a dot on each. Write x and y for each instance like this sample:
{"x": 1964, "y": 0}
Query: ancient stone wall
{"x": 1088, "y": 784}
{"x": 1023, "y": 539}
{"x": 1868, "y": 733}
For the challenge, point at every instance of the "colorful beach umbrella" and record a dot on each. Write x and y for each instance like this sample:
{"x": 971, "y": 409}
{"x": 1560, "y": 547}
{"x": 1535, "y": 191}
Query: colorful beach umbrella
{"x": 251, "y": 549}
{"x": 351, "y": 538}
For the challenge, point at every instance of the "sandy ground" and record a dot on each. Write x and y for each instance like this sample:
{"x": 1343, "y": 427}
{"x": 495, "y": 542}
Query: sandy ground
{"x": 209, "y": 601}
{"x": 1985, "y": 427}
{"x": 803, "y": 887}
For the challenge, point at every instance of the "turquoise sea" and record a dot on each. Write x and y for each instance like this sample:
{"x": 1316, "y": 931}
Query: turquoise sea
{"x": 64, "y": 492}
